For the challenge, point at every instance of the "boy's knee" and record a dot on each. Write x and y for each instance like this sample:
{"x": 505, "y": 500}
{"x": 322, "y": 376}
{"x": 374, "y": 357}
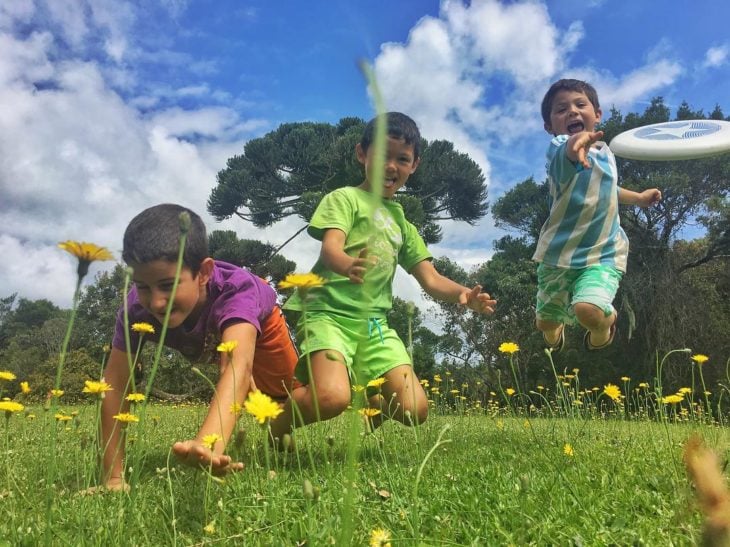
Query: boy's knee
{"x": 588, "y": 314}
{"x": 332, "y": 403}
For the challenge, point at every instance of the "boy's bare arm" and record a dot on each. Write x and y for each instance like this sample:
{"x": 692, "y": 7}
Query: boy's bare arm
{"x": 443, "y": 288}
{"x": 232, "y": 388}
{"x": 647, "y": 198}
{"x": 116, "y": 374}
{"x": 336, "y": 259}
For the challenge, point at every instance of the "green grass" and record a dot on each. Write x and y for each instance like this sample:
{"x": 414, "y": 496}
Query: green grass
{"x": 490, "y": 481}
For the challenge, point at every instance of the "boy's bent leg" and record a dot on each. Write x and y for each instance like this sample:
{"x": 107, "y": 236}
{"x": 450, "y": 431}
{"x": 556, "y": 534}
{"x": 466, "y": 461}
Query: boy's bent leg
{"x": 592, "y": 302}
{"x": 326, "y": 395}
{"x": 401, "y": 398}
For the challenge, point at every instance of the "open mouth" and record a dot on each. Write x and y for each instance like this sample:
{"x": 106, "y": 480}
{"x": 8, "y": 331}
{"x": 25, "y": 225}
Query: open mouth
{"x": 388, "y": 183}
{"x": 575, "y": 127}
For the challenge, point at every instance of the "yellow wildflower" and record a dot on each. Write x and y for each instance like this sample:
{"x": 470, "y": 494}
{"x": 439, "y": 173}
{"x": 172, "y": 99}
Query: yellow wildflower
{"x": 644, "y": 385}
{"x": 7, "y": 375}
{"x": 126, "y": 418}
{"x": 625, "y": 379}
{"x": 56, "y": 392}
{"x": 369, "y": 412}
{"x": 143, "y": 328}
{"x": 699, "y": 358}
{"x": 86, "y": 254}
{"x": 685, "y": 390}
{"x": 380, "y": 538}
{"x": 508, "y": 347}
{"x": 25, "y": 387}
{"x": 210, "y": 440}
{"x": 96, "y": 388}
{"x": 62, "y": 417}
{"x": 612, "y": 391}
{"x": 437, "y": 378}
{"x": 377, "y": 382}
{"x": 568, "y": 450}
{"x": 209, "y": 528}
{"x": 302, "y": 281}
{"x": 135, "y": 397}
{"x": 672, "y": 399}
{"x": 9, "y": 407}
{"x": 357, "y": 388}
{"x": 227, "y": 347}
{"x": 262, "y": 407}
{"x": 509, "y": 391}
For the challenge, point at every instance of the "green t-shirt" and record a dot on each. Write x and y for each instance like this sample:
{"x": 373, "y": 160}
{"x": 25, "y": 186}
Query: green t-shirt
{"x": 384, "y": 231}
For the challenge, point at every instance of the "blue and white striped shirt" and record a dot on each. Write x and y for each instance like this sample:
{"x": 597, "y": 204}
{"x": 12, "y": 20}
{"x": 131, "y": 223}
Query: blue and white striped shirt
{"x": 583, "y": 227}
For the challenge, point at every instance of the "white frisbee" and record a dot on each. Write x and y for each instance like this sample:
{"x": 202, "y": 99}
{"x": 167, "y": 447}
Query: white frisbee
{"x": 678, "y": 140}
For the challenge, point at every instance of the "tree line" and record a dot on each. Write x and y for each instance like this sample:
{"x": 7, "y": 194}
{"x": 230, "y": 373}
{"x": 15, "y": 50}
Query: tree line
{"x": 674, "y": 295}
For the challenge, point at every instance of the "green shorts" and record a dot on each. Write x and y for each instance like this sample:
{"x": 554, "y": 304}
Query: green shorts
{"x": 369, "y": 346}
{"x": 559, "y": 289}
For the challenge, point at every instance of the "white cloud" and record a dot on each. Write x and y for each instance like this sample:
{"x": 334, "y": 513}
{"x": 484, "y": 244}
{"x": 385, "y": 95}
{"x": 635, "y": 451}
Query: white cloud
{"x": 716, "y": 56}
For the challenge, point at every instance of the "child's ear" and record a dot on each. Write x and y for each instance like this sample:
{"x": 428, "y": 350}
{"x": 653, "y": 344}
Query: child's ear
{"x": 206, "y": 270}
{"x": 361, "y": 154}
{"x": 415, "y": 165}
{"x": 598, "y": 115}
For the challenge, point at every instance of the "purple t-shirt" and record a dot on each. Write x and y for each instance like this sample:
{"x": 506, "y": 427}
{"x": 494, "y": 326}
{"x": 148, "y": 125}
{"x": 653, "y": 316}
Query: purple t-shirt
{"x": 234, "y": 295}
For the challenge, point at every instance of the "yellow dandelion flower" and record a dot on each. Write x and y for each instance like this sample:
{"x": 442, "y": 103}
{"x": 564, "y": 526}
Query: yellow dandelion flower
{"x": 435, "y": 389}
{"x": 380, "y": 538}
{"x": 96, "y": 388}
{"x": 86, "y": 253}
{"x": 62, "y": 417}
{"x": 369, "y": 412}
{"x": 377, "y": 382}
{"x": 209, "y": 528}
{"x": 685, "y": 390}
{"x": 576, "y": 371}
{"x": 126, "y": 418}
{"x": 699, "y": 358}
{"x": 437, "y": 378}
{"x": 612, "y": 391}
{"x": 31, "y": 416}
{"x": 210, "y": 440}
{"x": 508, "y": 347}
{"x": 625, "y": 379}
{"x": 227, "y": 347}
{"x": 10, "y": 407}
{"x": 236, "y": 408}
{"x": 262, "y": 407}
{"x": 56, "y": 392}
{"x": 25, "y": 387}
{"x": 540, "y": 388}
{"x": 357, "y": 388}
{"x": 448, "y": 373}
{"x": 143, "y": 328}
{"x": 672, "y": 399}
{"x": 568, "y": 450}
{"x": 454, "y": 391}
{"x": 644, "y": 385}
{"x": 302, "y": 281}
{"x": 509, "y": 391}
{"x": 7, "y": 375}
{"x": 500, "y": 425}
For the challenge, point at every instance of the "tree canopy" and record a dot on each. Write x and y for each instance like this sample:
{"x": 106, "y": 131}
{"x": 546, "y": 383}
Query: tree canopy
{"x": 288, "y": 171}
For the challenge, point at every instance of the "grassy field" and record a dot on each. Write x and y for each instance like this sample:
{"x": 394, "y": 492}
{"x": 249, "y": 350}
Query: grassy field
{"x": 484, "y": 478}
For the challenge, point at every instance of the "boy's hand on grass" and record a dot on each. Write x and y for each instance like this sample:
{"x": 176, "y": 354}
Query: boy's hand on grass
{"x": 477, "y": 300}
{"x": 359, "y": 267}
{"x": 649, "y": 197}
{"x": 195, "y": 454}
{"x": 578, "y": 145}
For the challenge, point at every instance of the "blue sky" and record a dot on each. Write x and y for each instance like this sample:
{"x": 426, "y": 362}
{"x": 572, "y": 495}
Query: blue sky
{"x": 108, "y": 107}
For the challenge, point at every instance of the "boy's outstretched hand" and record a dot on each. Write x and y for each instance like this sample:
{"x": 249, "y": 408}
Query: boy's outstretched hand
{"x": 359, "y": 267}
{"x": 477, "y": 300}
{"x": 649, "y": 197}
{"x": 195, "y": 454}
{"x": 578, "y": 145}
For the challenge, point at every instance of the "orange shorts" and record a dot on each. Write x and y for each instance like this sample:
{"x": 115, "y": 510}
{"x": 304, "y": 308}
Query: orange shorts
{"x": 275, "y": 357}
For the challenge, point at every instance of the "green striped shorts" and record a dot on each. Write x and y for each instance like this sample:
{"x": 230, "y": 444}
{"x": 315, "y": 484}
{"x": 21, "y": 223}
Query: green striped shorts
{"x": 559, "y": 289}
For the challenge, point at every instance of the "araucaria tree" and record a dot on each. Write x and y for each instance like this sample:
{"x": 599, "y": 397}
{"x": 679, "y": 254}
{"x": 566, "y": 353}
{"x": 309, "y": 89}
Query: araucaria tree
{"x": 288, "y": 171}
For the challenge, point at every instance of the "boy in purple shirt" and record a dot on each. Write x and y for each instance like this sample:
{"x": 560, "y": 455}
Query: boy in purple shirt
{"x": 215, "y": 302}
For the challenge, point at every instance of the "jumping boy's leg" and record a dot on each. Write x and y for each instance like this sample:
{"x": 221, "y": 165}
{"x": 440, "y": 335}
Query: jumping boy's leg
{"x": 598, "y": 324}
{"x": 328, "y": 393}
{"x": 401, "y": 398}
{"x": 593, "y": 294}
{"x": 552, "y": 331}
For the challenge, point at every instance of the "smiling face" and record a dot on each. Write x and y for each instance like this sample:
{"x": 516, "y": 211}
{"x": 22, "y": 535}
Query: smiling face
{"x": 572, "y": 112}
{"x": 400, "y": 163}
{"x": 154, "y": 281}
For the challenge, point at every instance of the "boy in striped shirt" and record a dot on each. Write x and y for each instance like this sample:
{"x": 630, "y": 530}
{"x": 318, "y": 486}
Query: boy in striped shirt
{"x": 582, "y": 248}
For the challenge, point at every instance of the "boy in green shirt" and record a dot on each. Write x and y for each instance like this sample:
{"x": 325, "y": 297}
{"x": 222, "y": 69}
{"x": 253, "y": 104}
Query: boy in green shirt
{"x": 347, "y": 338}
